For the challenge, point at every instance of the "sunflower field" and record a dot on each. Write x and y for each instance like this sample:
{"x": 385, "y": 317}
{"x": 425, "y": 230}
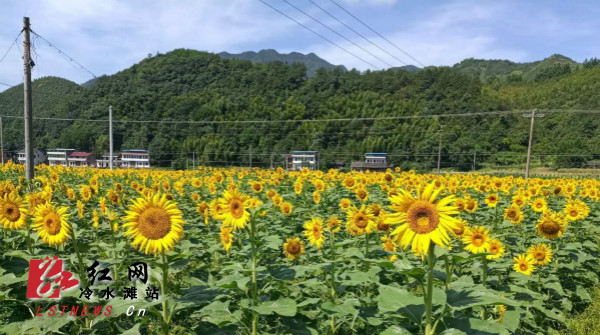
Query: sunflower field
{"x": 251, "y": 251}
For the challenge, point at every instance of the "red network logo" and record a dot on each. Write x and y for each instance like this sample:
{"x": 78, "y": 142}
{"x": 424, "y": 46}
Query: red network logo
{"x": 47, "y": 278}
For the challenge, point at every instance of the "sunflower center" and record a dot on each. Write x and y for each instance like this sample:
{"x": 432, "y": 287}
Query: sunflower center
{"x": 573, "y": 212}
{"x": 293, "y": 248}
{"x": 477, "y": 239}
{"x": 11, "y": 212}
{"x": 154, "y": 223}
{"x": 52, "y": 223}
{"x": 539, "y": 255}
{"x": 550, "y": 228}
{"x": 361, "y": 220}
{"x": 422, "y": 217}
{"x": 523, "y": 266}
{"x": 237, "y": 208}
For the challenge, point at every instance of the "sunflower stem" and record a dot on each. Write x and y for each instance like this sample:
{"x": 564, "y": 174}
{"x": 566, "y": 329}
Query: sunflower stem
{"x": 366, "y": 245}
{"x": 79, "y": 259}
{"x": 163, "y": 291}
{"x": 332, "y": 270}
{"x": 28, "y": 237}
{"x": 429, "y": 292}
{"x": 254, "y": 282}
{"x": 484, "y": 281}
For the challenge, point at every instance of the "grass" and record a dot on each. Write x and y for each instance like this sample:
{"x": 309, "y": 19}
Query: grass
{"x": 586, "y": 323}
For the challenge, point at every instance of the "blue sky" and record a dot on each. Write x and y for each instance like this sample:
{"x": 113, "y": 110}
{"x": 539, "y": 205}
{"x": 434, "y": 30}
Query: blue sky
{"x": 107, "y": 36}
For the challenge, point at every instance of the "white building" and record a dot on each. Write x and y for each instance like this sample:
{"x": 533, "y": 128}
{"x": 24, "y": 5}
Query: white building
{"x": 376, "y": 157}
{"x": 374, "y": 161}
{"x": 38, "y": 157}
{"x": 104, "y": 162}
{"x": 82, "y": 159}
{"x": 135, "y": 158}
{"x": 297, "y": 160}
{"x": 59, "y": 156}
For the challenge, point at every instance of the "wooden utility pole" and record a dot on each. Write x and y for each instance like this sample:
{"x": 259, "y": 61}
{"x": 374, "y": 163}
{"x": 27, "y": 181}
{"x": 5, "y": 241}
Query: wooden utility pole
{"x": 1, "y": 139}
{"x": 439, "y": 161}
{"x": 193, "y": 160}
{"x": 27, "y": 110}
{"x": 474, "y": 160}
{"x": 250, "y": 159}
{"x": 110, "y": 138}
{"x": 533, "y": 115}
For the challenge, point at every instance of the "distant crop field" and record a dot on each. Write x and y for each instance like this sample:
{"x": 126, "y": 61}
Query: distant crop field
{"x": 254, "y": 251}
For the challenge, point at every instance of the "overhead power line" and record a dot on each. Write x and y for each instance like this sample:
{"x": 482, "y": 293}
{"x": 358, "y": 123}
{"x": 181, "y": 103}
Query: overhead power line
{"x": 378, "y": 34}
{"x": 321, "y": 36}
{"x": 357, "y": 33}
{"x": 337, "y": 33}
{"x": 65, "y": 55}
{"x": 376, "y": 118}
{"x": 10, "y": 47}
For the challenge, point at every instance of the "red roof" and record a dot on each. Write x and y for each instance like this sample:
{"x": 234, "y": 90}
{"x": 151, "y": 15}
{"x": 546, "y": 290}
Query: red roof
{"x": 80, "y": 154}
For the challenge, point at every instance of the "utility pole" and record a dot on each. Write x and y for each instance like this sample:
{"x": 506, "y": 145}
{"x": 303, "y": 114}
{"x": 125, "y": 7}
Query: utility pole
{"x": 533, "y": 115}
{"x": 251, "y": 157}
{"x": 27, "y": 110}
{"x": 193, "y": 160}
{"x": 474, "y": 160}
{"x": 110, "y": 138}
{"x": 1, "y": 139}
{"x": 439, "y": 162}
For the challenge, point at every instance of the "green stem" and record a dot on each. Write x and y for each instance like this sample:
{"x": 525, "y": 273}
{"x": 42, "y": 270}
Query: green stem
{"x": 81, "y": 269}
{"x": 366, "y": 245}
{"x": 448, "y": 271}
{"x": 163, "y": 291}
{"x": 485, "y": 271}
{"x": 332, "y": 270}
{"x": 484, "y": 282}
{"x": 429, "y": 292}
{"x": 333, "y": 295}
{"x": 28, "y": 238}
{"x": 254, "y": 282}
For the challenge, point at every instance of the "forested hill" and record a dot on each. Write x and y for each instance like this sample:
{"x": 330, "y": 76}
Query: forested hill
{"x": 311, "y": 61}
{"x": 186, "y": 85}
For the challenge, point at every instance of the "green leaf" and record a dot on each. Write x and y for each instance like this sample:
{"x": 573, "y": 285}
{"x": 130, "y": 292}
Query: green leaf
{"x": 511, "y": 320}
{"x": 477, "y": 326}
{"x": 282, "y": 306}
{"x": 583, "y": 294}
{"x": 395, "y": 330}
{"x": 467, "y": 298}
{"x": 394, "y": 299}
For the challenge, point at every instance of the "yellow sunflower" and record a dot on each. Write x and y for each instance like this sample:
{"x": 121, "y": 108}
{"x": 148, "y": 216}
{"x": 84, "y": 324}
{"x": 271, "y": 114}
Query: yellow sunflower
{"x": 293, "y": 248}
{"x": 491, "y": 200}
{"x": 524, "y": 264}
{"x": 423, "y": 219}
{"x": 551, "y": 225}
{"x": 286, "y": 208}
{"x": 539, "y": 205}
{"x": 541, "y": 253}
{"x": 154, "y": 223}
{"x": 313, "y": 230}
{"x": 233, "y": 209}
{"x": 477, "y": 239}
{"x": 226, "y": 237}
{"x": 51, "y": 224}
{"x": 85, "y": 192}
{"x": 576, "y": 210}
{"x": 360, "y": 221}
{"x": 13, "y": 212}
{"x": 513, "y": 214}
{"x": 496, "y": 248}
